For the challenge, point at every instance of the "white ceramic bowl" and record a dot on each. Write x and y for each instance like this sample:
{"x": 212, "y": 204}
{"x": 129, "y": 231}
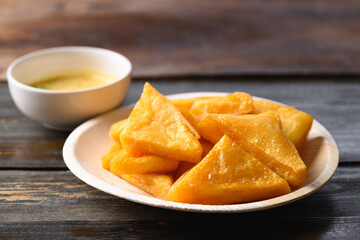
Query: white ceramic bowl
{"x": 63, "y": 110}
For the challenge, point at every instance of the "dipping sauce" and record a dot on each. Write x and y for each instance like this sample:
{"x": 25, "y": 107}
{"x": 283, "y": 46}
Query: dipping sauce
{"x": 73, "y": 79}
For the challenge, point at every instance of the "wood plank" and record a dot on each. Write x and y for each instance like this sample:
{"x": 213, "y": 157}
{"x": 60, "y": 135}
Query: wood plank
{"x": 56, "y": 203}
{"x": 172, "y": 38}
{"x": 25, "y": 143}
{"x": 318, "y": 228}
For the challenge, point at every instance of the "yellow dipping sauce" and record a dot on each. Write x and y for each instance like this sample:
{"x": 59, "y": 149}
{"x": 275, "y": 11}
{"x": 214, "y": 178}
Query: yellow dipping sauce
{"x": 73, "y": 79}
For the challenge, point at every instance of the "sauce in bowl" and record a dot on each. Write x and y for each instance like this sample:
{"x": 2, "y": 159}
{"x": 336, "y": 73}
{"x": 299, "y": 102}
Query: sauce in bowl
{"x": 73, "y": 79}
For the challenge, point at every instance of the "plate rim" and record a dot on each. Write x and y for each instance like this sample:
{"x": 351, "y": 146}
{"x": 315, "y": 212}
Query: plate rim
{"x": 80, "y": 172}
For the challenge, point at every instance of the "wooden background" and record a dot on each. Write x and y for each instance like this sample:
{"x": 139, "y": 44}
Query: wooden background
{"x": 187, "y": 38}
{"x": 302, "y": 53}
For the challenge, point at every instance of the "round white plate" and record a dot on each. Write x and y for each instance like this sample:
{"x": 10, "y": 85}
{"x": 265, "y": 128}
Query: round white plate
{"x": 86, "y": 145}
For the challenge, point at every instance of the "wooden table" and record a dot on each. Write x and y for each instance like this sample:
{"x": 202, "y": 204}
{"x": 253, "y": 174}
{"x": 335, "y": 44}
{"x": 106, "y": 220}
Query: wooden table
{"x": 307, "y": 56}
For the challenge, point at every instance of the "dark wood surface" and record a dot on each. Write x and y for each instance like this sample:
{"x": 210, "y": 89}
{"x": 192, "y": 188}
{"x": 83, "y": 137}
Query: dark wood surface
{"x": 41, "y": 198}
{"x": 302, "y": 53}
{"x": 186, "y": 38}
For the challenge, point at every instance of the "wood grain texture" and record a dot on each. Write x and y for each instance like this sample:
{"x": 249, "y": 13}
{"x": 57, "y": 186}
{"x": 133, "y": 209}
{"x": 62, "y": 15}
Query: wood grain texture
{"x": 52, "y": 203}
{"x": 68, "y": 207}
{"x": 25, "y": 143}
{"x": 171, "y": 38}
{"x": 318, "y": 228}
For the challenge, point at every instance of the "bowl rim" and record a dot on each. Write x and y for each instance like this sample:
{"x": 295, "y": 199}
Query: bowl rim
{"x": 12, "y": 80}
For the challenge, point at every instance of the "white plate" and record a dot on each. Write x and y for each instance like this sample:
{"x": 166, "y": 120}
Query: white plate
{"x": 86, "y": 145}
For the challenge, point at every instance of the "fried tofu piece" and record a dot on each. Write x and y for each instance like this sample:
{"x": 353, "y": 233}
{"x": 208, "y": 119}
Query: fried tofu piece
{"x": 265, "y": 106}
{"x": 114, "y": 149}
{"x": 228, "y": 174}
{"x": 187, "y": 103}
{"x": 236, "y": 103}
{"x": 116, "y": 129}
{"x": 296, "y": 124}
{"x": 262, "y": 136}
{"x": 157, "y": 185}
{"x": 156, "y": 127}
{"x": 126, "y": 163}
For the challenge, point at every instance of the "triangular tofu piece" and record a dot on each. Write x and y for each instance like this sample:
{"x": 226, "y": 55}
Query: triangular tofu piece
{"x": 157, "y": 185}
{"x": 260, "y": 135}
{"x": 126, "y": 163}
{"x": 156, "y": 127}
{"x": 265, "y": 106}
{"x": 116, "y": 129}
{"x": 187, "y": 102}
{"x": 190, "y": 118}
{"x": 114, "y": 149}
{"x": 296, "y": 124}
{"x": 235, "y": 103}
{"x": 228, "y": 174}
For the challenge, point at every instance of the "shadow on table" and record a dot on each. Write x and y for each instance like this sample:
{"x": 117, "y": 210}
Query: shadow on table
{"x": 305, "y": 218}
